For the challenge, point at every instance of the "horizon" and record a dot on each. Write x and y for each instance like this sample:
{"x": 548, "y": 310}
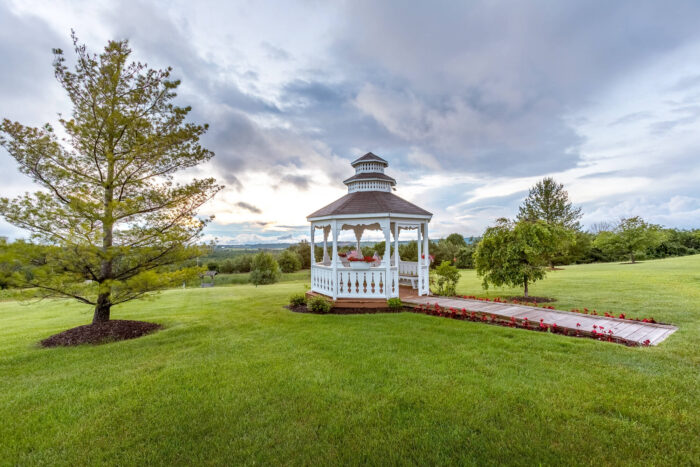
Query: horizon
{"x": 470, "y": 112}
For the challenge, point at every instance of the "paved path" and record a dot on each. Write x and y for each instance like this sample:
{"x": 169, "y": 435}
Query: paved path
{"x": 623, "y": 329}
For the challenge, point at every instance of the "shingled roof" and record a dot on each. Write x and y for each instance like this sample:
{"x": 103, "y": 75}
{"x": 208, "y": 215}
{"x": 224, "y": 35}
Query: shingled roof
{"x": 369, "y": 157}
{"x": 369, "y": 202}
{"x": 370, "y": 176}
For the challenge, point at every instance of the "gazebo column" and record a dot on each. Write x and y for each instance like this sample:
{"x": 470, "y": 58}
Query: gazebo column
{"x": 419, "y": 263}
{"x": 326, "y": 230}
{"x": 426, "y": 252}
{"x": 334, "y": 227}
{"x": 397, "y": 259}
{"x": 386, "y": 228}
{"x": 311, "y": 244}
{"x": 358, "y": 236}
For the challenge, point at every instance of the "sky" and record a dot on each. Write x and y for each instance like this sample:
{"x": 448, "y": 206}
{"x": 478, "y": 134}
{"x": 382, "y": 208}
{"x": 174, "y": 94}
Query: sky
{"x": 470, "y": 102}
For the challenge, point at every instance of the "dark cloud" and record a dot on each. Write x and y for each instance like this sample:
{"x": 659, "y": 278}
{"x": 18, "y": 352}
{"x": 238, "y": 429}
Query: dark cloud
{"x": 302, "y": 182}
{"x": 249, "y": 207}
{"x": 486, "y": 85}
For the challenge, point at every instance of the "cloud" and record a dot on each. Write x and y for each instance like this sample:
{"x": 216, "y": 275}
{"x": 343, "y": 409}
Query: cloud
{"x": 301, "y": 182}
{"x": 471, "y": 103}
{"x": 274, "y": 52}
{"x": 249, "y": 207}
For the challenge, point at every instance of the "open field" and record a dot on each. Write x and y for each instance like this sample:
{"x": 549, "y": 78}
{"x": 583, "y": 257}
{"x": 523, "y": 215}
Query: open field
{"x": 235, "y": 378}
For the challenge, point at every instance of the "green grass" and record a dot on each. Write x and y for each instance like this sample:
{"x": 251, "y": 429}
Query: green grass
{"x": 235, "y": 378}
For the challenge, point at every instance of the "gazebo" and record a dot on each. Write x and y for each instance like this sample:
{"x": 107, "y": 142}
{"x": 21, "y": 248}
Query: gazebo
{"x": 369, "y": 205}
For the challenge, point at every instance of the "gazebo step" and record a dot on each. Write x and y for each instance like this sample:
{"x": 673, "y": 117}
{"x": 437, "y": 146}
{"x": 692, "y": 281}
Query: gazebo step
{"x": 352, "y": 302}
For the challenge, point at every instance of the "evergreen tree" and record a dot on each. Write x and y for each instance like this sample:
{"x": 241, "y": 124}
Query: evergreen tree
{"x": 547, "y": 201}
{"x": 109, "y": 202}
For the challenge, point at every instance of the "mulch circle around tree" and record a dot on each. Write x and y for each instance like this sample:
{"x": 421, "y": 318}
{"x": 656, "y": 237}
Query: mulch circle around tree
{"x": 342, "y": 311}
{"x": 100, "y": 333}
{"x": 532, "y": 299}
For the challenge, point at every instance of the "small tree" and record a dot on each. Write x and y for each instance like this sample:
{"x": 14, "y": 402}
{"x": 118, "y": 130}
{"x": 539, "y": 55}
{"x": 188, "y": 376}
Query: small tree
{"x": 289, "y": 261}
{"x": 465, "y": 257}
{"x": 630, "y": 237}
{"x": 264, "y": 269}
{"x": 109, "y": 201}
{"x": 447, "y": 278}
{"x": 513, "y": 253}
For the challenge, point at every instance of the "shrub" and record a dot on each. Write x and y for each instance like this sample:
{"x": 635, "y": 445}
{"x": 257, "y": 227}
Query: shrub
{"x": 264, "y": 269}
{"x": 289, "y": 261}
{"x": 394, "y": 304}
{"x": 227, "y": 267}
{"x": 298, "y": 299}
{"x": 448, "y": 275}
{"x": 319, "y": 305}
{"x": 243, "y": 263}
{"x": 213, "y": 266}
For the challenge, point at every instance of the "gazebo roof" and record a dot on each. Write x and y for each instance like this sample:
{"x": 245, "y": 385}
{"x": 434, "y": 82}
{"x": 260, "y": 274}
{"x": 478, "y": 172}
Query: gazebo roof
{"x": 370, "y": 176}
{"x": 369, "y": 202}
{"x": 369, "y": 157}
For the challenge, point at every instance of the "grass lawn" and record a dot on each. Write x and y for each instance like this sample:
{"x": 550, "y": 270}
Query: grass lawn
{"x": 235, "y": 378}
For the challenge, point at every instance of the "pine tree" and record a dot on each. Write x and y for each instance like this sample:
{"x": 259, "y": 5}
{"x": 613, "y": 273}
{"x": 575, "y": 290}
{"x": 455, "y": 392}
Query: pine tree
{"x": 109, "y": 204}
{"x": 549, "y": 202}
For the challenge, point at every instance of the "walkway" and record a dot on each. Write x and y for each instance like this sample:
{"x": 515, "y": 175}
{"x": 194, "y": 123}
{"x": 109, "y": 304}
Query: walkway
{"x": 623, "y": 329}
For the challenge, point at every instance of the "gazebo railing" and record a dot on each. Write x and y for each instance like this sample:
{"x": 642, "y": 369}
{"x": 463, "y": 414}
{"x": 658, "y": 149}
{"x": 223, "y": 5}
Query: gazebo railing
{"x": 408, "y": 268}
{"x": 322, "y": 279}
{"x": 352, "y": 283}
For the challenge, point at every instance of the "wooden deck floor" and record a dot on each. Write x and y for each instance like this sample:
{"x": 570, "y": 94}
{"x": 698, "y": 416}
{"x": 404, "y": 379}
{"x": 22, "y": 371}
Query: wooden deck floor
{"x": 633, "y": 331}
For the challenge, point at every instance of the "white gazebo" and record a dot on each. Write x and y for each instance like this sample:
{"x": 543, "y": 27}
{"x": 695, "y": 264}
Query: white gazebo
{"x": 369, "y": 205}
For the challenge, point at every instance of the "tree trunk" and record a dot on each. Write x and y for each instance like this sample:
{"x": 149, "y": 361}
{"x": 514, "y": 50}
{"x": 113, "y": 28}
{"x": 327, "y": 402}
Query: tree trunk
{"x": 525, "y": 294}
{"x": 102, "y": 308}
{"x": 632, "y": 258}
{"x": 104, "y": 302}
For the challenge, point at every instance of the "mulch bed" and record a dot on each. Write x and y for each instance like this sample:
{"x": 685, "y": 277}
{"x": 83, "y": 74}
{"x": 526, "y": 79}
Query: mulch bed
{"x": 100, "y": 333}
{"x": 343, "y": 311}
{"x": 532, "y": 299}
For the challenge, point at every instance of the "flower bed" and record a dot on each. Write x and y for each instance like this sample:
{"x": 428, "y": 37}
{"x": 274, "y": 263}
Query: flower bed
{"x": 598, "y": 332}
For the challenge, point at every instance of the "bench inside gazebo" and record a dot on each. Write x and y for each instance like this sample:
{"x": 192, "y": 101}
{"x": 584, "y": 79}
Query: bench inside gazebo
{"x": 370, "y": 204}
